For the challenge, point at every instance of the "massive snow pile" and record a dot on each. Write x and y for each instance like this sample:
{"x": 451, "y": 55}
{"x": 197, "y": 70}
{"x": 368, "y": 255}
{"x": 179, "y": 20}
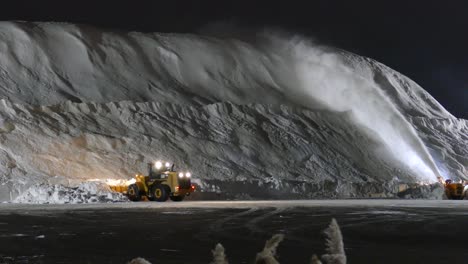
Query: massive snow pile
{"x": 279, "y": 113}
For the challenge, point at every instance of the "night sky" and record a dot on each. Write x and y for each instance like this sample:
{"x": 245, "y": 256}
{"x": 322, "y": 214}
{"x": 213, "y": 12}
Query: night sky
{"x": 425, "y": 40}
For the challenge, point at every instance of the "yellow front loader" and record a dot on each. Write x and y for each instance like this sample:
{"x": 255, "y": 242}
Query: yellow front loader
{"x": 161, "y": 183}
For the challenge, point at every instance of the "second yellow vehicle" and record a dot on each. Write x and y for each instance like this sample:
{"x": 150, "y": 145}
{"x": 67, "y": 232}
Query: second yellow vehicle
{"x": 455, "y": 191}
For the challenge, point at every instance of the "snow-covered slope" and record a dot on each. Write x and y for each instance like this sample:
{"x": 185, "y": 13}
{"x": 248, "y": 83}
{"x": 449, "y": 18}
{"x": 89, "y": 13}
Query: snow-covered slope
{"x": 297, "y": 119}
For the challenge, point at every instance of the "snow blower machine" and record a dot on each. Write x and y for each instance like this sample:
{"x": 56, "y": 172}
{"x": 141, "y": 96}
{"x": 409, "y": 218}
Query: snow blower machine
{"x": 161, "y": 183}
{"x": 455, "y": 191}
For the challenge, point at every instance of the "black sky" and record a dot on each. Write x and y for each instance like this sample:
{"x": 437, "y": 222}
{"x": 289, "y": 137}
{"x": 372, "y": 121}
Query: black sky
{"x": 425, "y": 40}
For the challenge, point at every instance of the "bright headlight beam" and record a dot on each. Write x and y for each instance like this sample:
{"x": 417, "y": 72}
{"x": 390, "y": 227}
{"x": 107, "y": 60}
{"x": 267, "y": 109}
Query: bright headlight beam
{"x": 158, "y": 165}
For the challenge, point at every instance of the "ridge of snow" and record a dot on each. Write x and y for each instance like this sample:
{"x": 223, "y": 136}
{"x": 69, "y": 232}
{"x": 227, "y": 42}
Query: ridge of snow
{"x": 86, "y": 192}
{"x": 289, "y": 149}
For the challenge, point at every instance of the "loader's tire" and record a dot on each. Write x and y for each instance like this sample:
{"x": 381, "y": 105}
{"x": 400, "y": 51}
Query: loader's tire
{"x": 133, "y": 193}
{"x": 159, "y": 193}
{"x": 168, "y": 189}
{"x": 179, "y": 198}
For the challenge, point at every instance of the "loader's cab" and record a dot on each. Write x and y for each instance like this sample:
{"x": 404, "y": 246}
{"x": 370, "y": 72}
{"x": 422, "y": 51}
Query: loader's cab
{"x": 161, "y": 183}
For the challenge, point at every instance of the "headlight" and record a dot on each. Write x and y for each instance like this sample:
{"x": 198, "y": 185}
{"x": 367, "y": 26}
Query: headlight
{"x": 167, "y": 164}
{"x": 181, "y": 175}
{"x": 158, "y": 165}
{"x": 188, "y": 175}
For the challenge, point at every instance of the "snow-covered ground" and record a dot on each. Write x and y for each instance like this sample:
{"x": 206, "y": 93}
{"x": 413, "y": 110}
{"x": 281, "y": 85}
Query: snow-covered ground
{"x": 372, "y": 230}
{"x": 275, "y": 117}
{"x": 460, "y": 207}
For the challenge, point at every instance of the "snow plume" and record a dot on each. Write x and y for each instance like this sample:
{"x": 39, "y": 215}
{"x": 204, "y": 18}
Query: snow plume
{"x": 318, "y": 78}
{"x": 276, "y": 69}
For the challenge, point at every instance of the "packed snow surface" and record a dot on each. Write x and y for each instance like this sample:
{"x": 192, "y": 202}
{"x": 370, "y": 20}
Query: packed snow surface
{"x": 279, "y": 112}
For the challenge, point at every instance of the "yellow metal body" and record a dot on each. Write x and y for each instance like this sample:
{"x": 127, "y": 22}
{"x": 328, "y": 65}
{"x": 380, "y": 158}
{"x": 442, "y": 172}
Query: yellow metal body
{"x": 144, "y": 183}
{"x": 454, "y": 191}
{"x": 119, "y": 188}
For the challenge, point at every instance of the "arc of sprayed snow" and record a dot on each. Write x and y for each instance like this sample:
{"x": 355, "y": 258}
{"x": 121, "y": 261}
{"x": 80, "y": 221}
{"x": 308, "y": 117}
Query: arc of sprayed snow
{"x": 219, "y": 257}
{"x": 267, "y": 256}
{"x": 334, "y": 243}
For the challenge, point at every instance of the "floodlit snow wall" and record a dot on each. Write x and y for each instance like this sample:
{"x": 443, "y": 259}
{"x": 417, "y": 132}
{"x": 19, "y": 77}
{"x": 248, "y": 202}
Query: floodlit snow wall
{"x": 275, "y": 111}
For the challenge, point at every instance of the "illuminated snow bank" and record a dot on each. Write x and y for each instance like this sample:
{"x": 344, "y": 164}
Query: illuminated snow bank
{"x": 87, "y": 192}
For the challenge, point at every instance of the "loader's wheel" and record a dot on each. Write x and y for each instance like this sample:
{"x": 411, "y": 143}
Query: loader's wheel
{"x": 179, "y": 198}
{"x": 133, "y": 193}
{"x": 168, "y": 189}
{"x": 159, "y": 193}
